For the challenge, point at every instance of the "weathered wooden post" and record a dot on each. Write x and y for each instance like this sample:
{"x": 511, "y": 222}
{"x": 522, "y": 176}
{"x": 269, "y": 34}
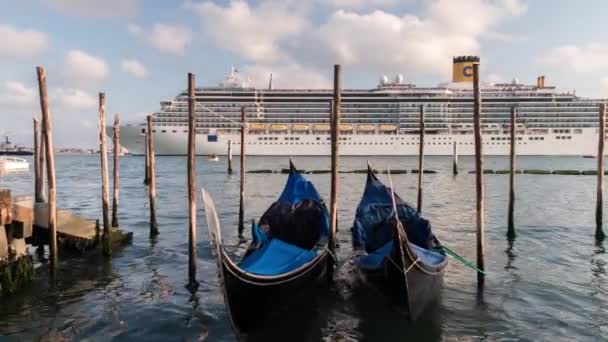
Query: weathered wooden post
{"x": 511, "y": 226}
{"x": 105, "y": 192}
{"x": 146, "y": 162}
{"x": 229, "y": 157}
{"x": 47, "y": 133}
{"x": 455, "y": 160}
{"x": 116, "y": 172}
{"x": 478, "y": 174}
{"x": 38, "y": 183}
{"x": 152, "y": 174}
{"x": 242, "y": 192}
{"x": 421, "y": 159}
{"x": 599, "y": 215}
{"x": 335, "y": 131}
{"x": 42, "y": 162}
{"x": 191, "y": 183}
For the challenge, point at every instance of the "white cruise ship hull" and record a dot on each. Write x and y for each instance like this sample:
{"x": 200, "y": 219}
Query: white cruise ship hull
{"x": 174, "y": 142}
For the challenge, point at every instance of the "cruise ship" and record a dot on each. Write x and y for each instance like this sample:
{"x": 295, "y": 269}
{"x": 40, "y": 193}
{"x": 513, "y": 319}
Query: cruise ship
{"x": 379, "y": 121}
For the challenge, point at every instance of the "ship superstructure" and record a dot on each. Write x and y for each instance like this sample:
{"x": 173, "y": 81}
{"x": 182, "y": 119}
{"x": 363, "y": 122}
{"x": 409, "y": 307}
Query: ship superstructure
{"x": 379, "y": 121}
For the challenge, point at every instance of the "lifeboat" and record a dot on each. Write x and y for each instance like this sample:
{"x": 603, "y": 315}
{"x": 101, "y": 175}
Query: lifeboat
{"x": 320, "y": 127}
{"x": 299, "y": 127}
{"x": 387, "y": 128}
{"x": 278, "y": 128}
{"x": 365, "y": 128}
{"x": 346, "y": 128}
{"x": 257, "y": 127}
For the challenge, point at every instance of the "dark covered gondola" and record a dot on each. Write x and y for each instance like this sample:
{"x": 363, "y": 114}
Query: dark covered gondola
{"x": 287, "y": 257}
{"x": 404, "y": 258}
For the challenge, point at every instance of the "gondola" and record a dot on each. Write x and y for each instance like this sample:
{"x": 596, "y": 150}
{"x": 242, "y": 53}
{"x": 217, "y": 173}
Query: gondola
{"x": 402, "y": 257}
{"x": 288, "y": 255}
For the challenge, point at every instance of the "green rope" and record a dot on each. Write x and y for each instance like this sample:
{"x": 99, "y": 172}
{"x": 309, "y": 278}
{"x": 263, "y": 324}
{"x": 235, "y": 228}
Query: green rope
{"x": 462, "y": 260}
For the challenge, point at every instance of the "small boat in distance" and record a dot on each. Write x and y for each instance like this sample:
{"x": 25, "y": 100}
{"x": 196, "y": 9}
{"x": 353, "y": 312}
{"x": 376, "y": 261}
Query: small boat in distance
{"x": 12, "y": 164}
{"x": 9, "y": 149}
{"x": 213, "y": 157}
{"x": 286, "y": 260}
{"x": 402, "y": 257}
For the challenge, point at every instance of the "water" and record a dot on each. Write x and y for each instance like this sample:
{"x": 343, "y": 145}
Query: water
{"x": 551, "y": 284}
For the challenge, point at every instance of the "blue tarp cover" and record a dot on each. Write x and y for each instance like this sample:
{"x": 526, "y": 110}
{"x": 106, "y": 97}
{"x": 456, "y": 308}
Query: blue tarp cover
{"x": 376, "y": 259}
{"x": 371, "y": 229}
{"x": 276, "y": 256}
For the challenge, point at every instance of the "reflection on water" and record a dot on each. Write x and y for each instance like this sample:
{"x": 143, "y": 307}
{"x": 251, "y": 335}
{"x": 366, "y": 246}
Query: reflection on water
{"x": 551, "y": 283}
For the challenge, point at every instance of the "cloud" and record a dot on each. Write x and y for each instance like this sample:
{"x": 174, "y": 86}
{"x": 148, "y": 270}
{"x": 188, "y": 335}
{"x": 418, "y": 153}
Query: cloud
{"x": 96, "y": 8}
{"x": 360, "y": 4}
{"x": 74, "y": 98}
{"x": 134, "y": 68}
{"x": 25, "y": 43}
{"x": 270, "y": 33}
{"x": 15, "y": 94}
{"x": 286, "y": 76}
{"x": 253, "y": 32}
{"x": 168, "y": 38}
{"x": 587, "y": 58}
{"x": 83, "y": 68}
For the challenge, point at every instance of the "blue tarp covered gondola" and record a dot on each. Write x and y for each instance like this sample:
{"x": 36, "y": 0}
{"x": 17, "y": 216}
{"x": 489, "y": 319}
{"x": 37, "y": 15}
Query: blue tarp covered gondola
{"x": 373, "y": 229}
{"x": 287, "y": 233}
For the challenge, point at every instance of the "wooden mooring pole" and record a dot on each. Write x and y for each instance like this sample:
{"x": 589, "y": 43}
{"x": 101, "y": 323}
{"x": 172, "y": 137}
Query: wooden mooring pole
{"x": 105, "y": 192}
{"x": 116, "y": 171}
{"x": 47, "y": 133}
{"x": 420, "y": 159}
{"x": 335, "y": 132}
{"x": 511, "y": 225}
{"x": 478, "y": 174}
{"x": 146, "y": 161}
{"x": 42, "y": 162}
{"x": 242, "y": 190}
{"x": 455, "y": 159}
{"x": 599, "y": 209}
{"x": 229, "y": 157}
{"x": 191, "y": 184}
{"x": 152, "y": 180}
{"x": 38, "y": 182}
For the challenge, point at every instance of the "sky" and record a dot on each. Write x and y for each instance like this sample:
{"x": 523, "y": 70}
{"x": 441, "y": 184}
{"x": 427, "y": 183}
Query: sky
{"x": 139, "y": 51}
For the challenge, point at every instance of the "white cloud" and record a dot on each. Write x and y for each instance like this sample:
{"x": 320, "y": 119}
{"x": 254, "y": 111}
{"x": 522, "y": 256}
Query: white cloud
{"x": 96, "y": 8}
{"x": 250, "y": 31}
{"x": 25, "y": 43}
{"x": 592, "y": 57}
{"x": 274, "y": 33}
{"x": 134, "y": 68}
{"x": 83, "y": 68}
{"x": 74, "y": 98}
{"x": 360, "y": 4}
{"x": 168, "y": 38}
{"x": 286, "y": 76}
{"x": 16, "y": 94}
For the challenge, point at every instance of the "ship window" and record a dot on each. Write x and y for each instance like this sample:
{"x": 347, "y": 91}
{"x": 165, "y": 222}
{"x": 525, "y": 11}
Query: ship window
{"x": 212, "y": 138}
{"x": 143, "y": 131}
{"x": 558, "y": 137}
{"x": 174, "y": 131}
{"x": 185, "y": 131}
{"x": 153, "y": 131}
{"x": 318, "y": 138}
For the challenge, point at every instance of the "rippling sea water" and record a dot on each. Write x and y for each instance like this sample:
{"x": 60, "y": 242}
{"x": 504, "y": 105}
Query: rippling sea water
{"x": 550, "y": 284}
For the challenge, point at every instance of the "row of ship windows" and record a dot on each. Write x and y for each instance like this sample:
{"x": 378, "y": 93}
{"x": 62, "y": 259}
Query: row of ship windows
{"x": 376, "y": 143}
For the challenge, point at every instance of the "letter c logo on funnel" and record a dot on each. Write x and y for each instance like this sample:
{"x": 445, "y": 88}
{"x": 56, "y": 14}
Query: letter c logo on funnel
{"x": 467, "y": 71}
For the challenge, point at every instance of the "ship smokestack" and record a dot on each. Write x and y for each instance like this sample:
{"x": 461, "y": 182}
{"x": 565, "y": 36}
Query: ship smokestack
{"x": 542, "y": 81}
{"x": 462, "y": 70}
{"x": 270, "y": 82}
{"x": 538, "y": 82}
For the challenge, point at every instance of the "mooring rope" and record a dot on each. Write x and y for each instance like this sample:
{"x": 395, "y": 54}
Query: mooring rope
{"x": 400, "y": 269}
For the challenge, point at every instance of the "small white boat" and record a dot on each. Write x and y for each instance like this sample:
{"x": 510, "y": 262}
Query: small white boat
{"x": 213, "y": 157}
{"x": 8, "y": 164}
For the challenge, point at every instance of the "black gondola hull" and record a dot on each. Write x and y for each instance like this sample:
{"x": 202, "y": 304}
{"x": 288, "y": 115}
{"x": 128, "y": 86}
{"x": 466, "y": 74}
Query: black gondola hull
{"x": 420, "y": 289}
{"x": 250, "y": 298}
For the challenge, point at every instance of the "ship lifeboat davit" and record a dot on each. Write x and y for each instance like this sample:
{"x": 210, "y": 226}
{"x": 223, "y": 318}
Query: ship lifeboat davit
{"x": 257, "y": 127}
{"x": 300, "y": 127}
{"x": 346, "y": 128}
{"x": 387, "y": 128}
{"x": 365, "y": 128}
{"x": 278, "y": 128}
{"x": 320, "y": 127}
